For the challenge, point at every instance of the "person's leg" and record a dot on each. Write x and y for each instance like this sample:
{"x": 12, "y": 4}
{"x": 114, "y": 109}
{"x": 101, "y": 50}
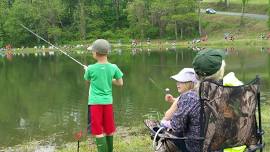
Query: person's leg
{"x": 109, "y": 140}
{"x": 101, "y": 143}
{"x": 109, "y": 126}
{"x": 89, "y": 120}
{"x": 96, "y": 127}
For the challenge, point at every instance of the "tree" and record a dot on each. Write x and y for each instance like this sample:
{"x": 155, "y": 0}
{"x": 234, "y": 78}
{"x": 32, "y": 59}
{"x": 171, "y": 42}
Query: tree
{"x": 227, "y": 3}
{"x": 62, "y": 21}
{"x": 82, "y": 20}
{"x": 159, "y": 15}
{"x": 3, "y": 13}
{"x": 137, "y": 17}
{"x": 50, "y": 17}
{"x": 244, "y": 4}
{"x": 14, "y": 33}
{"x": 182, "y": 14}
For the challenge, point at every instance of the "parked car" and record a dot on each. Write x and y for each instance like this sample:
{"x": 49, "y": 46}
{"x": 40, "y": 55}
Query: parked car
{"x": 210, "y": 11}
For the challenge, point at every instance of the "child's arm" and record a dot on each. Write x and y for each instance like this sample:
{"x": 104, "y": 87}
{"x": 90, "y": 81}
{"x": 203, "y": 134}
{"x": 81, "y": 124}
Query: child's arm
{"x": 118, "y": 82}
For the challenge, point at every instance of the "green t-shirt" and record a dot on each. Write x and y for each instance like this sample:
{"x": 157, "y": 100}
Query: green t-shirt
{"x": 100, "y": 77}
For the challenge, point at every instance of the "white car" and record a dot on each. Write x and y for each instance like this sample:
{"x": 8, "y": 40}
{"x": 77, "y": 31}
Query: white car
{"x": 210, "y": 11}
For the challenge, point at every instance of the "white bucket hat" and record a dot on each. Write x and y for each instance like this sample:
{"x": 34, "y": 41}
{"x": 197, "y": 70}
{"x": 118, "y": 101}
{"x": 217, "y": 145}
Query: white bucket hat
{"x": 185, "y": 75}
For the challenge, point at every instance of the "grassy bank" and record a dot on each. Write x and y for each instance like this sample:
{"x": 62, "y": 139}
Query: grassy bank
{"x": 135, "y": 139}
{"x": 215, "y": 26}
{"x": 140, "y": 143}
{"x": 127, "y": 139}
{"x": 256, "y": 7}
{"x": 240, "y": 1}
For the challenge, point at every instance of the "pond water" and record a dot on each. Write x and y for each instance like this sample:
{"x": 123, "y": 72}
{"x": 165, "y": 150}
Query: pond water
{"x": 44, "y": 96}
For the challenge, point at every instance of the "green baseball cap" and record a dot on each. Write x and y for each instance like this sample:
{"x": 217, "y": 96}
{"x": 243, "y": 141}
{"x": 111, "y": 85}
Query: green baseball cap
{"x": 101, "y": 46}
{"x": 208, "y": 62}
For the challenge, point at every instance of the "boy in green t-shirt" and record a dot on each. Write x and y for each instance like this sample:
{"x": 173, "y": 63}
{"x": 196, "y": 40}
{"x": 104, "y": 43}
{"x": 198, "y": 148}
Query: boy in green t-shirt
{"x": 102, "y": 75}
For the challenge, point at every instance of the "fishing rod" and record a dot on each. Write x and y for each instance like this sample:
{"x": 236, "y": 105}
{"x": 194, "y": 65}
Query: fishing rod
{"x": 84, "y": 66}
{"x": 167, "y": 90}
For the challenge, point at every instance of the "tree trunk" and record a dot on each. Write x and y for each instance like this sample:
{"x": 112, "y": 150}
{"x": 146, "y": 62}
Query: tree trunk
{"x": 142, "y": 33}
{"x": 82, "y": 20}
{"x": 160, "y": 29}
{"x": 9, "y": 3}
{"x": 199, "y": 14}
{"x": 242, "y": 23}
{"x": 176, "y": 30}
{"x": 117, "y": 11}
{"x": 227, "y": 3}
{"x": 181, "y": 32}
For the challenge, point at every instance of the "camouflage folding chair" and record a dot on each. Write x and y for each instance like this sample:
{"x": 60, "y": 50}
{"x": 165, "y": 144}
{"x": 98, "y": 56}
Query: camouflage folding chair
{"x": 228, "y": 119}
{"x": 229, "y": 115}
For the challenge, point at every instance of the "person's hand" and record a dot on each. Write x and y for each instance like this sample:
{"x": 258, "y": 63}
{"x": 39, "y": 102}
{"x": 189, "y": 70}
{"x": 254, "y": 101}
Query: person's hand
{"x": 169, "y": 98}
{"x": 166, "y": 123}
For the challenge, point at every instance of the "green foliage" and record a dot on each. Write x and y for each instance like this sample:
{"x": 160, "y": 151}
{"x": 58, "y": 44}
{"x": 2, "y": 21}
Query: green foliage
{"x": 20, "y": 13}
{"x": 66, "y": 21}
{"x": 1, "y": 39}
{"x": 268, "y": 22}
{"x": 152, "y": 32}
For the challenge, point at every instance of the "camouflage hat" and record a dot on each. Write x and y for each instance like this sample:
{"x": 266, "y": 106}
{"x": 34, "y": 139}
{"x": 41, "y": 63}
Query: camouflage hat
{"x": 208, "y": 62}
{"x": 100, "y": 46}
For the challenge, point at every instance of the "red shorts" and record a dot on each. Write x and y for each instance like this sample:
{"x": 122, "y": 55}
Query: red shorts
{"x": 102, "y": 120}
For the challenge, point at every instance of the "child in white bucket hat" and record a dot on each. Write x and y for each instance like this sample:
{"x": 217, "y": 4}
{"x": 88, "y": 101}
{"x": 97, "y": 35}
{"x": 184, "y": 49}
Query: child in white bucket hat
{"x": 185, "y": 81}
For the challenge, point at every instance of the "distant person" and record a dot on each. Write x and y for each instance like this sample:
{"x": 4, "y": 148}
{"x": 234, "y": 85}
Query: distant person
{"x": 204, "y": 38}
{"x": 174, "y": 43}
{"x": 8, "y": 47}
{"x": 226, "y": 36}
{"x": 262, "y": 36}
{"x": 9, "y": 55}
{"x": 134, "y": 43}
{"x": 119, "y": 42}
{"x": 101, "y": 76}
{"x": 268, "y": 36}
{"x": 148, "y": 41}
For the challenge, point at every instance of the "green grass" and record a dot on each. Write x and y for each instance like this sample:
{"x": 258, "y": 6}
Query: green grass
{"x": 216, "y": 25}
{"x": 252, "y": 7}
{"x": 240, "y": 1}
{"x": 140, "y": 143}
{"x": 127, "y": 139}
{"x": 134, "y": 139}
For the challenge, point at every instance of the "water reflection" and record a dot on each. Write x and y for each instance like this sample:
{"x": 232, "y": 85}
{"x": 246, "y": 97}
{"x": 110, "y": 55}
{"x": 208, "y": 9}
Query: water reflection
{"x": 44, "y": 95}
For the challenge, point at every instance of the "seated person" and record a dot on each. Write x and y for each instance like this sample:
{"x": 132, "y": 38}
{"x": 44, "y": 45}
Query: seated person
{"x": 186, "y": 81}
{"x": 210, "y": 65}
{"x": 184, "y": 119}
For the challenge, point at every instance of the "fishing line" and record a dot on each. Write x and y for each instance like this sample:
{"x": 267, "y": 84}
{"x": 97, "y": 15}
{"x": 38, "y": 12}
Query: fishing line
{"x": 53, "y": 45}
{"x": 155, "y": 84}
{"x": 166, "y": 90}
